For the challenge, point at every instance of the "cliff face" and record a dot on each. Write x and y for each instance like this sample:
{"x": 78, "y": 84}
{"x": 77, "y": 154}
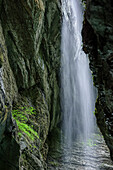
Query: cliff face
{"x": 9, "y": 148}
{"x": 29, "y": 76}
{"x": 98, "y": 40}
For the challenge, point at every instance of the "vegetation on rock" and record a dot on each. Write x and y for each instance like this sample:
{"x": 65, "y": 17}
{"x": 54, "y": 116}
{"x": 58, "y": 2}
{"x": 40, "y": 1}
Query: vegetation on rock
{"x": 22, "y": 116}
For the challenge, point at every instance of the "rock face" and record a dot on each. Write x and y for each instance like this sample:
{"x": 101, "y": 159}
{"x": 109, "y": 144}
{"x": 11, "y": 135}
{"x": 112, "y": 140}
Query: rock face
{"x": 9, "y": 148}
{"x": 29, "y": 76}
{"x": 29, "y": 80}
{"x": 98, "y": 40}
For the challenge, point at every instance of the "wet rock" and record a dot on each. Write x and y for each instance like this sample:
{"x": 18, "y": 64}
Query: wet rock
{"x": 97, "y": 38}
{"x": 9, "y": 153}
{"x": 29, "y": 74}
{"x": 9, "y": 148}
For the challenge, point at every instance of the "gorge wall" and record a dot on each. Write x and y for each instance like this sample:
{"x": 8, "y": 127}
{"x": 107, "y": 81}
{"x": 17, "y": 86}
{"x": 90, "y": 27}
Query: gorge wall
{"x": 29, "y": 76}
{"x": 98, "y": 40}
{"x": 29, "y": 80}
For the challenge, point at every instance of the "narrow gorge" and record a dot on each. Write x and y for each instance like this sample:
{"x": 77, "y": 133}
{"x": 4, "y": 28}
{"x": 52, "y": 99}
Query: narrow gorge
{"x": 56, "y": 85}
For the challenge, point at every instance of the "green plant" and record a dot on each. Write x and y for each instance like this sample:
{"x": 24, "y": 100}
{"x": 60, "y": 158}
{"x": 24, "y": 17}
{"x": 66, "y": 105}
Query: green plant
{"x": 90, "y": 143}
{"x": 95, "y": 112}
{"x": 84, "y": 3}
{"x": 21, "y": 116}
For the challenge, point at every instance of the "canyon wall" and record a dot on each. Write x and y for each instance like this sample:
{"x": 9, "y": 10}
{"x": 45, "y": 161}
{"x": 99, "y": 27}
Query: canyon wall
{"x": 30, "y": 36}
{"x": 29, "y": 80}
{"x": 98, "y": 40}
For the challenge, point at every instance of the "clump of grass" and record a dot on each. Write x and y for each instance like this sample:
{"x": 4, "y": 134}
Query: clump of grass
{"x": 21, "y": 116}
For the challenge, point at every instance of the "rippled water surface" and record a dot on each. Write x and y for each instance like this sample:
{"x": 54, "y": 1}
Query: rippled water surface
{"x": 81, "y": 158}
{"x": 78, "y": 97}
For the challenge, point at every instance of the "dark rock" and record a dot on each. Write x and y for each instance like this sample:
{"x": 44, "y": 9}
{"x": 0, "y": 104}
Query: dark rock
{"x": 9, "y": 148}
{"x": 9, "y": 154}
{"x": 29, "y": 74}
{"x": 98, "y": 39}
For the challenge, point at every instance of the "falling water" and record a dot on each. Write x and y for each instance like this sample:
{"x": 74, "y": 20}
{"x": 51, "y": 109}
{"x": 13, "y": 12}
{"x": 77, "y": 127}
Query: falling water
{"x": 1, "y": 81}
{"x": 77, "y": 96}
{"x": 82, "y": 147}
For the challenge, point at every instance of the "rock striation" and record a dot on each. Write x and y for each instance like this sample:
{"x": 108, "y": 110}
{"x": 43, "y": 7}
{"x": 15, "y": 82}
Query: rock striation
{"x": 30, "y": 33}
{"x": 29, "y": 80}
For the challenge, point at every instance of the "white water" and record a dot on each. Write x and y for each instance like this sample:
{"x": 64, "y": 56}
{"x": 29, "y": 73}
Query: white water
{"x": 82, "y": 148}
{"x": 77, "y": 94}
{"x": 1, "y": 81}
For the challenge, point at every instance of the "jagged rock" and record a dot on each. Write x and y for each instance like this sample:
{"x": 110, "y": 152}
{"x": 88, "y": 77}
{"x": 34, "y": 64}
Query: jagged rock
{"x": 98, "y": 39}
{"x": 29, "y": 75}
{"x": 9, "y": 148}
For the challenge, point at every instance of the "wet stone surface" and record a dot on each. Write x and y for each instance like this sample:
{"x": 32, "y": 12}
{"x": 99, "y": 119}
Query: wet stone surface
{"x": 90, "y": 155}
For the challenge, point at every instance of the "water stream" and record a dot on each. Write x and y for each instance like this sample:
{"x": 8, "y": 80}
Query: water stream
{"x": 78, "y": 157}
{"x": 83, "y": 147}
{"x": 78, "y": 101}
{"x": 1, "y": 81}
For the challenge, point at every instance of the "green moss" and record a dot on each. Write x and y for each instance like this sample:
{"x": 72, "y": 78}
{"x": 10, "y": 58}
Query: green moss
{"x": 54, "y": 163}
{"x": 95, "y": 112}
{"x": 1, "y": 59}
{"x": 21, "y": 115}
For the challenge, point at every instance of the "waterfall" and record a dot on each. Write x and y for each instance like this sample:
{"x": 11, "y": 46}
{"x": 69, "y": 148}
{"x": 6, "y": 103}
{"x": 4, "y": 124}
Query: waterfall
{"x": 77, "y": 91}
{"x": 2, "y": 90}
{"x": 1, "y": 81}
{"x": 82, "y": 145}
